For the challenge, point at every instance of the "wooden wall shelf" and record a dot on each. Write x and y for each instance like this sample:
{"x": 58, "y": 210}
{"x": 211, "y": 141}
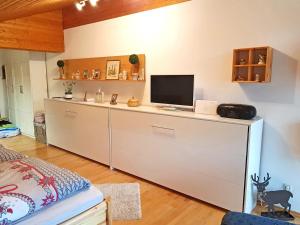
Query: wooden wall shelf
{"x": 72, "y": 66}
{"x": 246, "y": 67}
{"x": 99, "y": 80}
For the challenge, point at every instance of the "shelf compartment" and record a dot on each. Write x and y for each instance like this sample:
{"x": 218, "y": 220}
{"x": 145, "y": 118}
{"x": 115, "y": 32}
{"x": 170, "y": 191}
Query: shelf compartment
{"x": 256, "y": 53}
{"x": 240, "y": 74}
{"x": 242, "y": 54}
{"x": 258, "y": 71}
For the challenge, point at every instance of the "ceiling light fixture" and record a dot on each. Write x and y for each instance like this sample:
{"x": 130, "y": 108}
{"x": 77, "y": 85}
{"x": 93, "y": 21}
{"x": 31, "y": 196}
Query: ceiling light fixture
{"x": 93, "y": 2}
{"x": 81, "y": 4}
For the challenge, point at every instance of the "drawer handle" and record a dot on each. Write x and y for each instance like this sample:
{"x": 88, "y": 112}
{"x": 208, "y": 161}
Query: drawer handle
{"x": 164, "y": 128}
{"x": 70, "y": 112}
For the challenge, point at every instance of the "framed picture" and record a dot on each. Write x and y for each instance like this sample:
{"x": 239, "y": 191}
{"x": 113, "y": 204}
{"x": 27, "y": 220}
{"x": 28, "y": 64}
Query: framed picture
{"x": 112, "y": 69}
{"x": 113, "y": 100}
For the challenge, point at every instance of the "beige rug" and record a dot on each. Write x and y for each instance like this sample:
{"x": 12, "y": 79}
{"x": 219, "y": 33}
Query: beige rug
{"x": 125, "y": 200}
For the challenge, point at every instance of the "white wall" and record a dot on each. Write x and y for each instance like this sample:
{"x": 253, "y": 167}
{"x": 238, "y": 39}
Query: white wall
{"x": 197, "y": 37}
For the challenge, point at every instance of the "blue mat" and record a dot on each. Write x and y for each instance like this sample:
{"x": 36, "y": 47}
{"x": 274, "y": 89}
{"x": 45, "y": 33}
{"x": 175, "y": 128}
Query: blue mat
{"x": 6, "y": 132}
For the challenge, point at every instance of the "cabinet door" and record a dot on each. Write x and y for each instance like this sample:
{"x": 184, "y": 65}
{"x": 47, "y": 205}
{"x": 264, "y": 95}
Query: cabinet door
{"x": 203, "y": 159}
{"x": 90, "y": 132}
{"x": 59, "y": 124}
{"x": 79, "y": 128}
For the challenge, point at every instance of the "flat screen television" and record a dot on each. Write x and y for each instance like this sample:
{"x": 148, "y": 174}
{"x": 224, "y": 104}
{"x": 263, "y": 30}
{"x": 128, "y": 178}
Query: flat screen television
{"x": 173, "y": 90}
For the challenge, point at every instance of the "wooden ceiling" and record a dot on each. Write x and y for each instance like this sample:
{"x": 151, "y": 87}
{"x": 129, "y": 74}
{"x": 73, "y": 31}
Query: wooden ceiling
{"x": 108, "y": 9}
{"x": 11, "y": 9}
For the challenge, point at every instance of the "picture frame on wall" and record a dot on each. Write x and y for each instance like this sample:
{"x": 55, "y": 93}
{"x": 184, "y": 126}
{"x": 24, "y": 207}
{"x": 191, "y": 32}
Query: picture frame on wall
{"x": 112, "y": 69}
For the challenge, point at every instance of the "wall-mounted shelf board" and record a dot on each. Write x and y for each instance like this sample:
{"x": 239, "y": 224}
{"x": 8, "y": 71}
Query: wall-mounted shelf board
{"x": 99, "y": 80}
{"x": 72, "y": 66}
{"x": 247, "y": 68}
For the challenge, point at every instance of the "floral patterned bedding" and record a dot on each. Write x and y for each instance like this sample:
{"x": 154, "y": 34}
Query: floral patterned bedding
{"x": 6, "y": 154}
{"x": 29, "y": 185}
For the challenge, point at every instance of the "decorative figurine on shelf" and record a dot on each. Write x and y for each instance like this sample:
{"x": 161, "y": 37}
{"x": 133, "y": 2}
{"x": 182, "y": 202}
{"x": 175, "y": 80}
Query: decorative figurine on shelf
{"x": 261, "y": 59}
{"x": 61, "y": 65}
{"x": 142, "y": 74}
{"x": 85, "y": 74}
{"x": 77, "y": 75}
{"x": 271, "y": 198}
{"x": 69, "y": 89}
{"x": 240, "y": 78}
{"x": 113, "y": 100}
{"x": 134, "y": 76}
{"x": 257, "y": 77}
{"x": 124, "y": 75}
{"x": 97, "y": 74}
{"x": 92, "y": 75}
{"x": 243, "y": 61}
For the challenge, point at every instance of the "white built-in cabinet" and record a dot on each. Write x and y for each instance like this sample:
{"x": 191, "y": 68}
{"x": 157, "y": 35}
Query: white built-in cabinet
{"x": 206, "y": 157}
{"x": 78, "y": 128}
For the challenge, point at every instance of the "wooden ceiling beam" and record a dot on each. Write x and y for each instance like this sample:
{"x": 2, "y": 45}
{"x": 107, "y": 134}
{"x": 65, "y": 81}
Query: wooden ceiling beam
{"x": 12, "y": 9}
{"x": 40, "y": 32}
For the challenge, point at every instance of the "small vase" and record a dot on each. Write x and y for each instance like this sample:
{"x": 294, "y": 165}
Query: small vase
{"x": 135, "y": 76}
{"x": 135, "y": 68}
{"x": 68, "y": 96}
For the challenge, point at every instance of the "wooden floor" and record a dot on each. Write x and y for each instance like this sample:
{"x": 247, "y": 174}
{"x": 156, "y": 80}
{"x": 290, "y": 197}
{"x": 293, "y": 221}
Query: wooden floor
{"x": 159, "y": 206}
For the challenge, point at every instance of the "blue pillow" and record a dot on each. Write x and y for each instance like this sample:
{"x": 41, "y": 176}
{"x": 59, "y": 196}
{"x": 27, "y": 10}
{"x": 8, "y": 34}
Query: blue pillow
{"x": 235, "y": 218}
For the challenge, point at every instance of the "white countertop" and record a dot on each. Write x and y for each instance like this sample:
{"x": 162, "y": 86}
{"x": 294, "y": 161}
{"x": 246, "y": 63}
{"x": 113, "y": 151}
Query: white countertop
{"x": 156, "y": 110}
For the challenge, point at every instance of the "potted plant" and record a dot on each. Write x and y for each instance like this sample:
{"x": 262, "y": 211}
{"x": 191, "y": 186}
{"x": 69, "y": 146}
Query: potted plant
{"x": 134, "y": 61}
{"x": 69, "y": 89}
{"x": 61, "y": 65}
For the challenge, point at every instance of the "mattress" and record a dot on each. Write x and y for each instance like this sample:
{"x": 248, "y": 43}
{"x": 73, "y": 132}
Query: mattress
{"x": 66, "y": 209}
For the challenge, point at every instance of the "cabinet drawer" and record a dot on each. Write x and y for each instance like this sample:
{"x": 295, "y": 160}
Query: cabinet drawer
{"x": 80, "y": 129}
{"x": 204, "y": 159}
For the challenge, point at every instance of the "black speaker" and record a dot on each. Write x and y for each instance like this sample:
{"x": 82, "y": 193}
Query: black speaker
{"x": 237, "y": 111}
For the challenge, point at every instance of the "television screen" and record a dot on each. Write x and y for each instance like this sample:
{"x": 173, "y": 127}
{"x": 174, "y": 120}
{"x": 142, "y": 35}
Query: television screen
{"x": 172, "y": 89}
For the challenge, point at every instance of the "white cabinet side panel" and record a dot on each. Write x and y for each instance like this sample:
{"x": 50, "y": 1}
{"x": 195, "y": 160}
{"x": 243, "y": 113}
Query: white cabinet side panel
{"x": 253, "y": 164}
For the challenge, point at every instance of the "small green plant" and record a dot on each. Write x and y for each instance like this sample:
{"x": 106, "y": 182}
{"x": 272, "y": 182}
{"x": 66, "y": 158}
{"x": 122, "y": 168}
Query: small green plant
{"x": 60, "y": 63}
{"x": 69, "y": 87}
{"x": 134, "y": 59}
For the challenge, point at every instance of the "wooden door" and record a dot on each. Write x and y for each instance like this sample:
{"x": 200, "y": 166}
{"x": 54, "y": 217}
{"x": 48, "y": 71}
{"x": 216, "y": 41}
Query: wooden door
{"x": 22, "y": 97}
{"x": 10, "y": 94}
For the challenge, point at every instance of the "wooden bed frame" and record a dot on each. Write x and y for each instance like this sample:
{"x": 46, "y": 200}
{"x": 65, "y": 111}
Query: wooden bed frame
{"x": 97, "y": 215}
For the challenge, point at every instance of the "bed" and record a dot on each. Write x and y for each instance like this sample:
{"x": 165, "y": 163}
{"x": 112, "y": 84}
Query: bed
{"x": 33, "y": 191}
{"x": 85, "y": 208}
